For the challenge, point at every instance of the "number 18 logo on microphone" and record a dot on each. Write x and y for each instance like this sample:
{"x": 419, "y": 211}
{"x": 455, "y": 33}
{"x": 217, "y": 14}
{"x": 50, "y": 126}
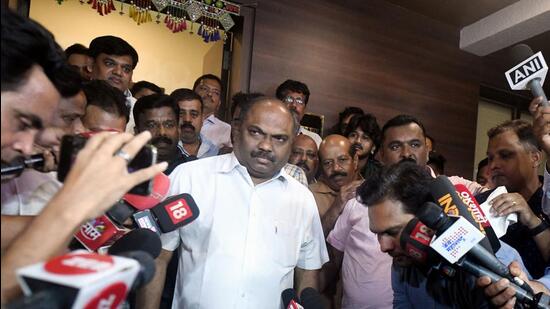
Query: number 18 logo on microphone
{"x": 178, "y": 211}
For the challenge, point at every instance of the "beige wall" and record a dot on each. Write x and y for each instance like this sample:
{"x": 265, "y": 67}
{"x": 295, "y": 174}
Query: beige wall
{"x": 166, "y": 59}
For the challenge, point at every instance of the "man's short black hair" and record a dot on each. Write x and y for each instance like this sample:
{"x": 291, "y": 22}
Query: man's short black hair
{"x": 110, "y": 99}
{"x": 401, "y": 120}
{"x": 368, "y": 124}
{"x": 294, "y": 86}
{"x": 522, "y": 128}
{"x": 207, "y": 76}
{"x": 350, "y": 110}
{"x": 155, "y": 101}
{"x": 77, "y": 49}
{"x": 241, "y": 98}
{"x": 186, "y": 94}
{"x": 483, "y": 163}
{"x": 112, "y": 45}
{"x": 146, "y": 85}
{"x": 26, "y": 43}
{"x": 404, "y": 181}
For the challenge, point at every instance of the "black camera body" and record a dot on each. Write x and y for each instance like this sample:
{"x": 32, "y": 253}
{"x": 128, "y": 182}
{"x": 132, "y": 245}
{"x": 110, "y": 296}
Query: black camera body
{"x": 72, "y": 144}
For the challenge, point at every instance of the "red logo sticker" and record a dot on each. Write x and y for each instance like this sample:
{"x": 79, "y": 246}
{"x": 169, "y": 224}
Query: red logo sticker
{"x": 79, "y": 264}
{"x": 178, "y": 211}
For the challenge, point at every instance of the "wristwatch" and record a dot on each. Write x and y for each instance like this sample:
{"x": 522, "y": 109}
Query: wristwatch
{"x": 539, "y": 228}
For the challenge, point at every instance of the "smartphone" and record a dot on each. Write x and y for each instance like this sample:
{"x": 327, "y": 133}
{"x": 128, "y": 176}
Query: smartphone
{"x": 72, "y": 144}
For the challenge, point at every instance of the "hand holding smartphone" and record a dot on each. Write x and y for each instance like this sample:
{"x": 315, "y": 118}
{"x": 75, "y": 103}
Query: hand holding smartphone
{"x": 72, "y": 144}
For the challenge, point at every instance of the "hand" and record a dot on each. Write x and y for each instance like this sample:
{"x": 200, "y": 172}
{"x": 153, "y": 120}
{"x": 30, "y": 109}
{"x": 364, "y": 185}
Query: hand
{"x": 99, "y": 178}
{"x": 541, "y": 123}
{"x": 508, "y": 203}
{"x": 501, "y": 293}
{"x": 347, "y": 192}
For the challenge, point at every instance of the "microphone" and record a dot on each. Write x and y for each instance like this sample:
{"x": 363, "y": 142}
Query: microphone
{"x": 290, "y": 299}
{"x": 106, "y": 229}
{"x": 175, "y": 212}
{"x": 457, "y": 239}
{"x": 444, "y": 193}
{"x": 479, "y": 216}
{"x": 19, "y": 164}
{"x": 82, "y": 279}
{"x": 137, "y": 240}
{"x": 311, "y": 299}
{"x": 529, "y": 73}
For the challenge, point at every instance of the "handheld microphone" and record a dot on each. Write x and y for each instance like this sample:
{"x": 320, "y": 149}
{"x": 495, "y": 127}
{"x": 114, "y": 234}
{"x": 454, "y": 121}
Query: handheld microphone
{"x": 175, "y": 212}
{"x": 444, "y": 193}
{"x": 311, "y": 299}
{"x": 478, "y": 215}
{"x": 529, "y": 73}
{"x": 137, "y": 240}
{"x": 434, "y": 217}
{"x": 290, "y": 299}
{"x": 19, "y": 164}
{"x": 106, "y": 229}
{"x": 82, "y": 279}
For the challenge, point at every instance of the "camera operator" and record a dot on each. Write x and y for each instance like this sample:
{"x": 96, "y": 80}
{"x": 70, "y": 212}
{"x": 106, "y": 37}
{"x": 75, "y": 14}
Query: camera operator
{"x": 33, "y": 70}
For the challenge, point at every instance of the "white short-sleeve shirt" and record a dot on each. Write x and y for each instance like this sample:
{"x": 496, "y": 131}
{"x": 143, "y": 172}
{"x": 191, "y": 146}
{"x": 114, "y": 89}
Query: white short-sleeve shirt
{"x": 242, "y": 249}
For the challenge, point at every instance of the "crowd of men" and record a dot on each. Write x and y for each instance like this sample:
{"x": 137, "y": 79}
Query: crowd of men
{"x": 280, "y": 207}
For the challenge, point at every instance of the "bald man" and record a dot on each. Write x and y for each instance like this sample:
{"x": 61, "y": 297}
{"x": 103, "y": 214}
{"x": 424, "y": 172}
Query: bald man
{"x": 338, "y": 164}
{"x": 304, "y": 154}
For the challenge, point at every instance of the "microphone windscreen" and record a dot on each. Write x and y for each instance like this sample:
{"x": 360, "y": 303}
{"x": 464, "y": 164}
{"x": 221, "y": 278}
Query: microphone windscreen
{"x": 161, "y": 184}
{"x": 287, "y": 296}
{"x": 520, "y": 52}
{"x": 120, "y": 212}
{"x": 311, "y": 299}
{"x": 147, "y": 267}
{"x": 138, "y": 239}
{"x": 176, "y": 211}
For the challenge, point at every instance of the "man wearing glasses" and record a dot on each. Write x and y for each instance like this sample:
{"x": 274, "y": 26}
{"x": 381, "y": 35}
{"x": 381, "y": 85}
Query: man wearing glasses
{"x": 209, "y": 88}
{"x": 296, "y": 95}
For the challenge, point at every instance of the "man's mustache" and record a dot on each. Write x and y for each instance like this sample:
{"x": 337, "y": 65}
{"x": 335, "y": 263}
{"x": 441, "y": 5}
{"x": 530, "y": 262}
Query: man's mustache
{"x": 357, "y": 146}
{"x": 187, "y": 125}
{"x": 263, "y": 154}
{"x": 303, "y": 165}
{"x": 336, "y": 174}
{"x": 409, "y": 159}
{"x": 162, "y": 139}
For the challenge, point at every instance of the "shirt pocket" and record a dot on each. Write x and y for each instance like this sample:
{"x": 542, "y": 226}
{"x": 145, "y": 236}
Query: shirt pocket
{"x": 286, "y": 244}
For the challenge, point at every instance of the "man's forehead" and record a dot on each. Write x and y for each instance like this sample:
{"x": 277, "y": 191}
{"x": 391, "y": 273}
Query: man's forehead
{"x": 405, "y": 132}
{"x": 212, "y": 83}
{"x": 189, "y": 104}
{"x": 123, "y": 59}
{"x": 159, "y": 112}
{"x": 306, "y": 142}
{"x": 334, "y": 150}
{"x": 294, "y": 94}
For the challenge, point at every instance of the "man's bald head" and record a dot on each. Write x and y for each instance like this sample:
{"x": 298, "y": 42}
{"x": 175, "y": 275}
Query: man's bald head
{"x": 338, "y": 161}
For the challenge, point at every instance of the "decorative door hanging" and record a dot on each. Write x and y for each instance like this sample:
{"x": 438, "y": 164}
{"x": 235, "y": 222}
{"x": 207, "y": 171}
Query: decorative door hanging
{"x": 179, "y": 15}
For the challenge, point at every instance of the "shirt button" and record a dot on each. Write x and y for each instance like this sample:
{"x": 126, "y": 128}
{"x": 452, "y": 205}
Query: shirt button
{"x": 242, "y": 295}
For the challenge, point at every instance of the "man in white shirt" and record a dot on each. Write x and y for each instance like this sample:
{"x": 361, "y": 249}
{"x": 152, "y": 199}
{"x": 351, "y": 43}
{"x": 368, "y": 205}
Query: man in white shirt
{"x": 296, "y": 95}
{"x": 258, "y": 232}
{"x": 209, "y": 88}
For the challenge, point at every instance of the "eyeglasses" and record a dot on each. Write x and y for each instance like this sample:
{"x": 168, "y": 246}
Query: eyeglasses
{"x": 297, "y": 101}
{"x": 206, "y": 89}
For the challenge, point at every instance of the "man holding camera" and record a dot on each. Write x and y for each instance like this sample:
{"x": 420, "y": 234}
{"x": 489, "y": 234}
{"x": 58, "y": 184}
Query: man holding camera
{"x": 33, "y": 72}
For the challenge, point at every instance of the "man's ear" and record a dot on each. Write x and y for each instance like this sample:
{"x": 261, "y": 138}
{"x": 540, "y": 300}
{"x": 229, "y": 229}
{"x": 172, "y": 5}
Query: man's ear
{"x": 355, "y": 161}
{"x": 536, "y": 158}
